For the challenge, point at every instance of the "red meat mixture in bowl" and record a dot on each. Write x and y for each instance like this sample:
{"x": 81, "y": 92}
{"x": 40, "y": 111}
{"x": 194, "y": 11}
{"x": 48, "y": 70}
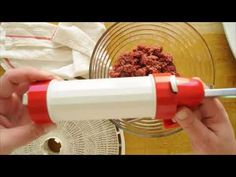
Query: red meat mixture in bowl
{"x": 143, "y": 61}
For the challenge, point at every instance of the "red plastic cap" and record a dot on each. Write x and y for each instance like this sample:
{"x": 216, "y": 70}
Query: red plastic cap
{"x": 166, "y": 100}
{"x": 190, "y": 93}
{"x": 37, "y": 102}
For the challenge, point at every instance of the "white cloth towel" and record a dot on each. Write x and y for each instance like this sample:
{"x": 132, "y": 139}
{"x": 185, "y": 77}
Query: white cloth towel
{"x": 64, "y": 49}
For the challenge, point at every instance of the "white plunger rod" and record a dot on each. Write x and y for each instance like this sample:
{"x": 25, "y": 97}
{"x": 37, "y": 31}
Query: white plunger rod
{"x": 225, "y": 92}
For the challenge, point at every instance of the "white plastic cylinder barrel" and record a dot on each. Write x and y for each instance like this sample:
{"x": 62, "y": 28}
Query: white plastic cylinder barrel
{"x": 93, "y": 99}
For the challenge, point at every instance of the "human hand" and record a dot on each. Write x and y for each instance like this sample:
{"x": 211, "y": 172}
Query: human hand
{"x": 208, "y": 128}
{"x": 16, "y": 127}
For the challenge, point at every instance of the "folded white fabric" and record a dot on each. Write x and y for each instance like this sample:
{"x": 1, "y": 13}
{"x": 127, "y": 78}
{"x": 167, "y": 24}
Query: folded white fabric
{"x": 64, "y": 49}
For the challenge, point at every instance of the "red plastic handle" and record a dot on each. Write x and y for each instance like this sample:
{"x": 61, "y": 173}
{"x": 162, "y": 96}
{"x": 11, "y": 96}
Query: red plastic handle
{"x": 190, "y": 93}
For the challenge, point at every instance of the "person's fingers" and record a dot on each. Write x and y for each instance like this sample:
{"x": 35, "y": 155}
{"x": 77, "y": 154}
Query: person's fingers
{"x": 2, "y": 127}
{"x": 23, "y": 118}
{"x": 215, "y": 116}
{"x": 22, "y": 88}
{"x": 5, "y": 105}
{"x": 10, "y": 106}
{"x": 5, "y": 122}
{"x": 13, "y": 138}
{"x": 10, "y": 81}
{"x": 197, "y": 113}
{"x": 211, "y": 107}
{"x": 195, "y": 129}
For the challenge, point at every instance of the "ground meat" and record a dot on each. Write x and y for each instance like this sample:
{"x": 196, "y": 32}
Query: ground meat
{"x": 143, "y": 61}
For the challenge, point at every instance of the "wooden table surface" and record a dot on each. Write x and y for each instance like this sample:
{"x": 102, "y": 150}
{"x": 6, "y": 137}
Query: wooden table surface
{"x": 225, "y": 76}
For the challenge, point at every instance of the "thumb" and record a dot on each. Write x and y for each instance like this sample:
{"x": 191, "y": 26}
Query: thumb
{"x": 195, "y": 129}
{"x": 13, "y": 138}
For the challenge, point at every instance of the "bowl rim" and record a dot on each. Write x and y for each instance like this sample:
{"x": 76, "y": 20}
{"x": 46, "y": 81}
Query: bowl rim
{"x": 161, "y": 134}
{"x": 117, "y": 23}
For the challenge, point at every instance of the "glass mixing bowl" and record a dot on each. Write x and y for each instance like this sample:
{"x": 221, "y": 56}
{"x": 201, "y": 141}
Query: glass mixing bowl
{"x": 189, "y": 50}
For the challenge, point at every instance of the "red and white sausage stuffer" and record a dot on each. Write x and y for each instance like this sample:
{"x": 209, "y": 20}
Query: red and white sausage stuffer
{"x": 156, "y": 96}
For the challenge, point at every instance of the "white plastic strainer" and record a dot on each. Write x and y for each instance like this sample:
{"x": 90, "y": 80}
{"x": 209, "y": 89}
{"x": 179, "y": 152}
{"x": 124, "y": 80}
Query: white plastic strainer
{"x": 96, "y": 137}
